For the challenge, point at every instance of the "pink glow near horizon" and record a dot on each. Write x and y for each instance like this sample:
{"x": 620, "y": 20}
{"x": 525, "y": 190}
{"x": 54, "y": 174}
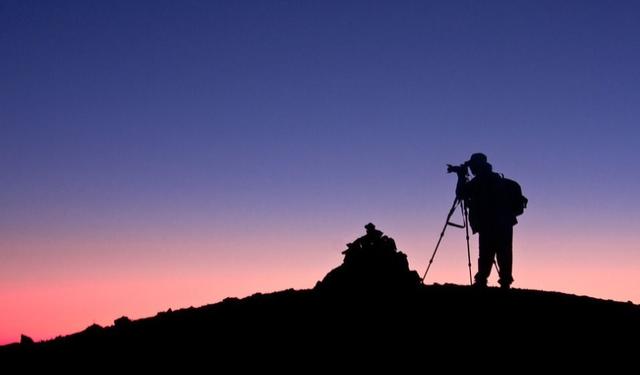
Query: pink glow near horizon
{"x": 70, "y": 299}
{"x": 97, "y": 282}
{"x": 44, "y": 310}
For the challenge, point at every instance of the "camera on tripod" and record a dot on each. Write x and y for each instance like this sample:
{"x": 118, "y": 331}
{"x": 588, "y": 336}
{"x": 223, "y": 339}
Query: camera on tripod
{"x": 462, "y": 169}
{"x": 463, "y": 172}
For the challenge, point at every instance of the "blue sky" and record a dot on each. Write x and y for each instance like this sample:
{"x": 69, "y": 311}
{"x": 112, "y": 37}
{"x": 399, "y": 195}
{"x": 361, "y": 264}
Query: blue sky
{"x": 272, "y": 131}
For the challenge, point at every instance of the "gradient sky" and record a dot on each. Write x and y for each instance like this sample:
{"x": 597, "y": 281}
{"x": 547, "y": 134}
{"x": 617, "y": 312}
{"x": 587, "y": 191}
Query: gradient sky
{"x": 161, "y": 154}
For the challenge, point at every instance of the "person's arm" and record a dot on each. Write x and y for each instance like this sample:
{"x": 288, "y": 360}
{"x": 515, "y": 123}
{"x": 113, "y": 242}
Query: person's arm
{"x": 462, "y": 191}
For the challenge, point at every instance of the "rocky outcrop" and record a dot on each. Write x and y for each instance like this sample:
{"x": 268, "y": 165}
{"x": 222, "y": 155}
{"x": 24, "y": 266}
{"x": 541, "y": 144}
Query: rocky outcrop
{"x": 372, "y": 263}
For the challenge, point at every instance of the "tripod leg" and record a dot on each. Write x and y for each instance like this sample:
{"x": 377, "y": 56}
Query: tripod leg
{"x": 446, "y": 223}
{"x": 465, "y": 216}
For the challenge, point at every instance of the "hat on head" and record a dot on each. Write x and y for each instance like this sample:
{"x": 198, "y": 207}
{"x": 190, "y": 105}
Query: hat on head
{"x": 477, "y": 159}
{"x": 370, "y": 226}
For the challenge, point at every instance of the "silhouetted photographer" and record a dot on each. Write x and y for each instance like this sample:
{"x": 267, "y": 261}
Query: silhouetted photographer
{"x": 493, "y": 202}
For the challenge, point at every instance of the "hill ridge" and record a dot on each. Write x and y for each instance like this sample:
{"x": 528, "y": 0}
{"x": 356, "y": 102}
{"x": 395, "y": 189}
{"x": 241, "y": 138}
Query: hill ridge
{"x": 371, "y": 301}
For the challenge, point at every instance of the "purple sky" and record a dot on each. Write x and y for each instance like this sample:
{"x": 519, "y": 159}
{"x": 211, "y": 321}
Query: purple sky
{"x": 184, "y": 140}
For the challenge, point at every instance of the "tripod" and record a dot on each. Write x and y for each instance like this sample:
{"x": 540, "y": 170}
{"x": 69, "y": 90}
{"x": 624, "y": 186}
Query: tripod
{"x": 465, "y": 224}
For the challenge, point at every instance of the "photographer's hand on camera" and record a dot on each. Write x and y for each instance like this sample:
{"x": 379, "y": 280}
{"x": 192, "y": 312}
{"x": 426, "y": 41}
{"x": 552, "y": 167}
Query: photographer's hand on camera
{"x": 462, "y": 172}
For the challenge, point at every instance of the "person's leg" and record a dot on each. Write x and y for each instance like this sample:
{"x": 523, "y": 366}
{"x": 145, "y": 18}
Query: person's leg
{"x": 504, "y": 252}
{"x": 486, "y": 244}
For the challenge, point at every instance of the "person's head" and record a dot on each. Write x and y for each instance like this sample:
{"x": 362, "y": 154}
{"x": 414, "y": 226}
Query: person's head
{"x": 372, "y": 231}
{"x": 478, "y": 164}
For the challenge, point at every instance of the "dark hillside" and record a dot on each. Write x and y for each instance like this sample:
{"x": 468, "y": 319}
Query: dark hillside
{"x": 373, "y": 304}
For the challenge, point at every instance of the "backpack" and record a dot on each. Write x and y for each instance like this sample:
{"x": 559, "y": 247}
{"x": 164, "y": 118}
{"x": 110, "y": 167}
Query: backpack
{"x": 513, "y": 193}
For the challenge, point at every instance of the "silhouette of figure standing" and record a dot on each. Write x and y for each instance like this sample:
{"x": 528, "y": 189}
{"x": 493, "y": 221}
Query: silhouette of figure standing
{"x": 490, "y": 216}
